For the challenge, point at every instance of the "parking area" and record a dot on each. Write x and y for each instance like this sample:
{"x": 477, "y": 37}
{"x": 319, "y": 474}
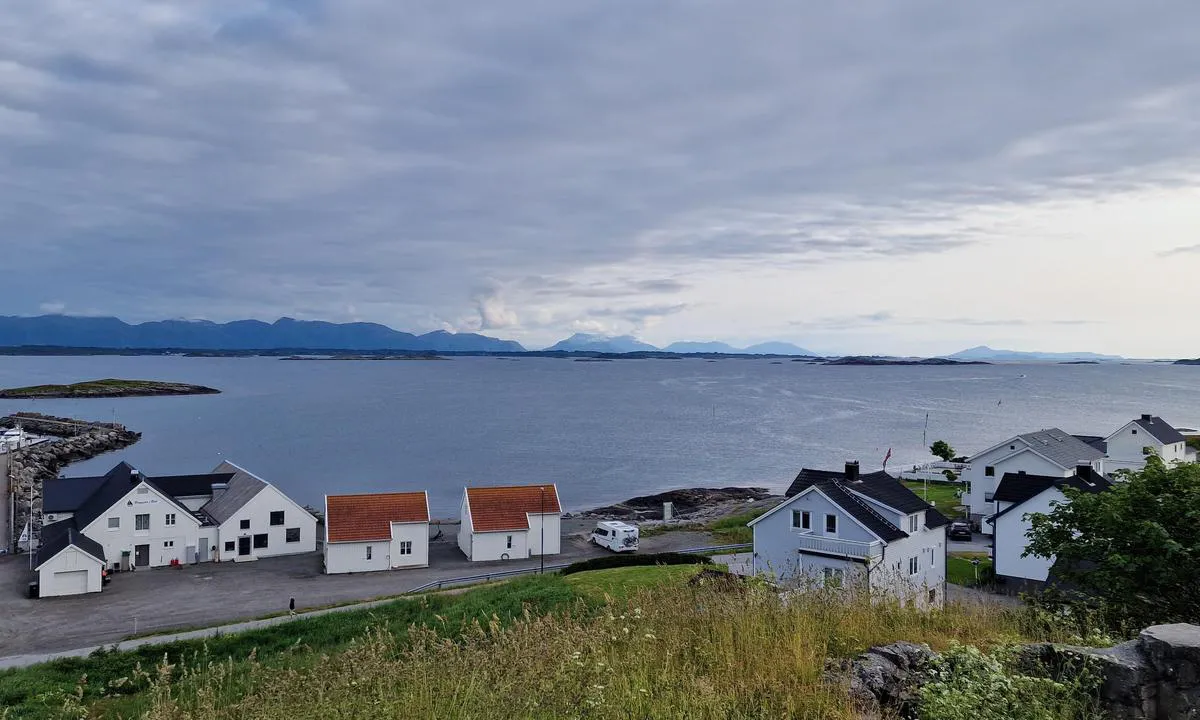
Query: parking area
{"x": 214, "y": 593}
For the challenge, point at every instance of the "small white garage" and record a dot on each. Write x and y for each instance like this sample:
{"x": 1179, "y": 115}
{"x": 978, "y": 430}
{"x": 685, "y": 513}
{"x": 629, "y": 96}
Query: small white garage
{"x": 69, "y": 563}
{"x": 379, "y": 531}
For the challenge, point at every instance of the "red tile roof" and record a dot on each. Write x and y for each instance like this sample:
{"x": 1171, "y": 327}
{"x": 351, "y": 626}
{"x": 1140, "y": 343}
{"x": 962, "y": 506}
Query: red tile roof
{"x": 353, "y": 518}
{"x": 495, "y": 509}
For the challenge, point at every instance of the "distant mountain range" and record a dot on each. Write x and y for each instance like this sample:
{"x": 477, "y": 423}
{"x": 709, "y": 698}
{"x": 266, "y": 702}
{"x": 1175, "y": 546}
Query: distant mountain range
{"x": 584, "y": 342}
{"x": 983, "y": 352}
{"x": 284, "y": 333}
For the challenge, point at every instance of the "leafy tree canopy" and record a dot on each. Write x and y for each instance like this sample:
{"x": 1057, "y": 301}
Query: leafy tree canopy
{"x": 942, "y": 449}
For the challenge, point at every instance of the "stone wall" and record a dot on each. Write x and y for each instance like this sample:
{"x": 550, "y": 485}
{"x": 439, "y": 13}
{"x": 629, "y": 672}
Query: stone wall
{"x": 1155, "y": 677}
{"x": 74, "y": 441}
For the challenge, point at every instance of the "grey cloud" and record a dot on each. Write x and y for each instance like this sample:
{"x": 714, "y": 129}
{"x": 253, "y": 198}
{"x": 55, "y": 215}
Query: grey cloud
{"x": 1185, "y": 250}
{"x": 222, "y": 160}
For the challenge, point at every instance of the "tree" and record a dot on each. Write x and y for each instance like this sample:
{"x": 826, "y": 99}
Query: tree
{"x": 1134, "y": 549}
{"x": 942, "y": 449}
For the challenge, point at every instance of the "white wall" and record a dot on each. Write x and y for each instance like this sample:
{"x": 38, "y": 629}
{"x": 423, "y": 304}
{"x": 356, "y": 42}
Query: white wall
{"x": 1012, "y": 537}
{"x": 1028, "y": 462}
{"x": 465, "y": 534}
{"x": 184, "y": 532}
{"x": 777, "y": 543}
{"x": 1125, "y": 449}
{"x": 494, "y": 545}
{"x": 418, "y": 535}
{"x": 891, "y": 575}
{"x": 69, "y": 560}
{"x": 553, "y": 534}
{"x": 258, "y": 511}
{"x": 351, "y": 557}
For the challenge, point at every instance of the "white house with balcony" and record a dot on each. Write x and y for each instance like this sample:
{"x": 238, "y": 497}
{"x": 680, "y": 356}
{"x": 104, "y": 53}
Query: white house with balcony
{"x": 846, "y": 528}
{"x": 1050, "y": 452}
{"x": 1132, "y": 443}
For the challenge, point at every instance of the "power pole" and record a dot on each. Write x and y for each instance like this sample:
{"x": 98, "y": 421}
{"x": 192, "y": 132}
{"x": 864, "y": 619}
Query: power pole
{"x": 542, "y": 527}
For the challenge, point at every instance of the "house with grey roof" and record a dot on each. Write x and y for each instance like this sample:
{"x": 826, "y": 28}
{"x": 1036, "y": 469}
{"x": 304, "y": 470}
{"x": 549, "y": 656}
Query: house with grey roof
{"x": 845, "y": 528}
{"x": 1050, "y": 452}
{"x": 127, "y": 520}
{"x": 1130, "y": 445}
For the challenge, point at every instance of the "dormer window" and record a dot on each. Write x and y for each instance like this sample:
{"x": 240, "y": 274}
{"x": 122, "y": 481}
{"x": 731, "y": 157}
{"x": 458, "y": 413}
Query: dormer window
{"x": 913, "y": 522}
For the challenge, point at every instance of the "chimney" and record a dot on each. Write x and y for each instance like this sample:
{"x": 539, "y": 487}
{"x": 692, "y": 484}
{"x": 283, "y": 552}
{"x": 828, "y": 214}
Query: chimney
{"x": 1084, "y": 471}
{"x": 1147, "y": 417}
{"x": 851, "y": 471}
{"x": 218, "y": 489}
{"x": 135, "y": 476}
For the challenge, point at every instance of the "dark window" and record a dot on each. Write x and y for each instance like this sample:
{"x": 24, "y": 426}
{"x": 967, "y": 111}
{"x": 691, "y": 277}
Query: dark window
{"x": 293, "y": 535}
{"x": 245, "y": 524}
{"x": 1135, "y": 432}
{"x": 801, "y": 520}
{"x": 508, "y": 542}
{"x": 277, "y": 517}
{"x": 831, "y": 524}
{"x": 228, "y": 546}
{"x": 989, "y": 471}
{"x": 260, "y": 541}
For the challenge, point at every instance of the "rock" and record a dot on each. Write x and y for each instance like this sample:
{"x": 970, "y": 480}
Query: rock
{"x": 885, "y": 681}
{"x": 1173, "y": 651}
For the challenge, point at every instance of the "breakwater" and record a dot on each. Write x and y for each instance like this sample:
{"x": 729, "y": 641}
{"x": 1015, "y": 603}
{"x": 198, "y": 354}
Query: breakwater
{"x": 73, "y": 441}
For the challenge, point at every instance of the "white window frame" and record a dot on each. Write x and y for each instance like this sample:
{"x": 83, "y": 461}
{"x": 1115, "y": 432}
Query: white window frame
{"x": 168, "y": 543}
{"x": 912, "y": 522}
{"x": 114, "y": 523}
{"x": 368, "y": 552}
{"x": 508, "y": 539}
{"x": 805, "y": 520}
{"x": 406, "y": 547}
{"x": 914, "y": 565}
{"x": 137, "y": 524}
{"x": 834, "y": 517}
{"x": 169, "y": 520}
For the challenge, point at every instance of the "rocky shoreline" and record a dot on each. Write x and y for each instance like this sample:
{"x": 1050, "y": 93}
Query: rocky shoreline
{"x": 690, "y": 505}
{"x": 75, "y": 441}
{"x": 109, "y": 388}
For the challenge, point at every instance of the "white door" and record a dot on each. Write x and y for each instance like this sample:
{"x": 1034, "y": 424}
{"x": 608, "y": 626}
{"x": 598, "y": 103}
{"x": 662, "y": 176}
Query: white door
{"x": 74, "y": 582}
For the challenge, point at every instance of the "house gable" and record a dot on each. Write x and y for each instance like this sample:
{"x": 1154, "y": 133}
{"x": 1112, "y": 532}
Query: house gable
{"x": 797, "y": 502}
{"x": 133, "y": 498}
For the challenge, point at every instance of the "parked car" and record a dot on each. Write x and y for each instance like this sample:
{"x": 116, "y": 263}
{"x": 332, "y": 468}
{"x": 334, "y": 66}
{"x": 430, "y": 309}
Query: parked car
{"x": 616, "y": 536}
{"x": 959, "y": 531}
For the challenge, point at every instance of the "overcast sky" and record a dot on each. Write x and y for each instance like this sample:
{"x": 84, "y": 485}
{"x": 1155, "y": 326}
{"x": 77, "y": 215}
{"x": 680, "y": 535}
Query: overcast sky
{"x": 910, "y": 177}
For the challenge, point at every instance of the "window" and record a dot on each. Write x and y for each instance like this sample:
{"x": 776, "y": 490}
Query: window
{"x": 292, "y": 535}
{"x": 368, "y": 552}
{"x": 914, "y": 566}
{"x": 245, "y": 525}
{"x": 1135, "y": 431}
{"x": 801, "y": 520}
{"x": 168, "y": 543}
{"x": 912, "y": 523}
{"x": 990, "y": 471}
{"x": 602, "y": 532}
{"x": 142, "y": 490}
{"x": 141, "y": 522}
{"x": 508, "y": 542}
{"x": 170, "y": 520}
{"x": 260, "y": 541}
{"x": 276, "y": 517}
{"x": 114, "y": 523}
{"x": 1012, "y": 447}
{"x": 831, "y": 524}
{"x": 228, "y": 546}
{"x": 833, "y": 576}
{"x": 406, "y": 547}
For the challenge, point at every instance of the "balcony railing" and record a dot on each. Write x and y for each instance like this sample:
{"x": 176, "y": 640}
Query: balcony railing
{"x": 840, "y": 548}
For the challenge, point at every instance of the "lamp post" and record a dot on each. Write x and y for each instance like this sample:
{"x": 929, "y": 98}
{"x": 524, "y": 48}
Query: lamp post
{"x": 542, "y": 528}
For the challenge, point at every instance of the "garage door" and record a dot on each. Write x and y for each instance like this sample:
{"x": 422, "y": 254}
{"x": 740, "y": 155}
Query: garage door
{"x": 74, "y": 582}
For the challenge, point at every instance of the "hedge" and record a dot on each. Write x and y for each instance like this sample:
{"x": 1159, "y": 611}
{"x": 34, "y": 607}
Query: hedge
{"x": 614, "y": 561}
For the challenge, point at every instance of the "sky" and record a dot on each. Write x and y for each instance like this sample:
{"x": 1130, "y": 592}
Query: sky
{"x": 902, "y": 178}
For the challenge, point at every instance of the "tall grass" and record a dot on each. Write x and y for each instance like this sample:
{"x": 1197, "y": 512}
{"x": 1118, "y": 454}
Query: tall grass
{"x": 666, "y": 652}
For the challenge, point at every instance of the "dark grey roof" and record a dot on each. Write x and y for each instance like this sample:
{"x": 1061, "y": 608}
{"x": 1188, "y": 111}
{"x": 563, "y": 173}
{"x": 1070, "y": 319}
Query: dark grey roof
{"x": 59, "y": 536}
{"x": 243, "y": 486}
{"x": 1065, "y": 450}
{"x": 878, "y": 486}
{"x": 67, "y": 494}
{"x": 1016, "y": 488}
{"x": 1095, "y": 441}
{"x": 190, "y": 485}
{"x": 114, "y": 485}
{"x": 808, "y": 477}
{"x": 834, "y": 485}
{"x": 1160, "y": 430}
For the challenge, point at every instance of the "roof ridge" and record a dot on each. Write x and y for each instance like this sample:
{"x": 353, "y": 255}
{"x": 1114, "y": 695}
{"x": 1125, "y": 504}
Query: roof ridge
{"x": 855, "y": 498}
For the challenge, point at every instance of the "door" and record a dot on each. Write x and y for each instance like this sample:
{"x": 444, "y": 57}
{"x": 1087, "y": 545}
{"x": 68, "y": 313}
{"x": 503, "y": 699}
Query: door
{"x": 141, "y": 555}
{"x": 74, "y": 582}
{"x": 202, "y": 550}
{"x": 243, "y": 546}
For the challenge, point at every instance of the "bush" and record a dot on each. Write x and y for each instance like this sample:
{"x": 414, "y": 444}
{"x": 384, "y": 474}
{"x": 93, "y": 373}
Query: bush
{"x": 616, "y": 561}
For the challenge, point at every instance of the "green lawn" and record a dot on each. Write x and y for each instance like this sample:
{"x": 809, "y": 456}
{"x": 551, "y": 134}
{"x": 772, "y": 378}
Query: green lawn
{"x": 621, "y": 582}
{"x": 944, "y": 496}
{"x": 732, "y": 530}
{"x": 960, "y": 570}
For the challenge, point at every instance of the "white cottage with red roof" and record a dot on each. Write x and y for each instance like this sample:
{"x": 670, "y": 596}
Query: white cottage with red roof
{"x": 378, "y": 531}
{"x": 511, "y": 522}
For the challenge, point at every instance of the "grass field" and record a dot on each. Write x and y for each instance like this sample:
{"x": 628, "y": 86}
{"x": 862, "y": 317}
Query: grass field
{"x": 960, "y": 570}
{"x": 622, "y": 582}
{"x": 732, "y": 530}
{"x": 944, "y": 496}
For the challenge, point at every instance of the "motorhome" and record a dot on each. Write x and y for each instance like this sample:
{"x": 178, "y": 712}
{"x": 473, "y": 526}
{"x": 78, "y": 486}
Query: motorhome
{"x": 616, "y": 536}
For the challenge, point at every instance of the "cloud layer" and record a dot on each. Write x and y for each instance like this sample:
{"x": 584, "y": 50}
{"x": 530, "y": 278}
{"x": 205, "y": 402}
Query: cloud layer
{"x": 672, "y": 168}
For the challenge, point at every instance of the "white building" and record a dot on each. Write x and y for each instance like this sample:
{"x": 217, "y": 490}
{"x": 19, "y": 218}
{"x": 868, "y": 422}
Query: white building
{"x": 854, "y": 530}
{"x": 1016, "y": 498}
{"x": 1045, "y": 452}
{"x": 1130, "y": 445}
{"x": 508, "y": 523}
{"x": 381, "y": 531}
{"x": 68, "y": 563}
{"x": 140, "y": 521}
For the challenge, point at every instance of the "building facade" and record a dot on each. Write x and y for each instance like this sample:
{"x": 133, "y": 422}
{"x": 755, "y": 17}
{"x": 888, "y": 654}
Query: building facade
{"x": 373, "y": 532}
{"x": 510, "y": 522}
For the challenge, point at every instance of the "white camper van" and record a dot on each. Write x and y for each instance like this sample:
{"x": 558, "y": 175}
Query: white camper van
{"x": 616, "y": 536}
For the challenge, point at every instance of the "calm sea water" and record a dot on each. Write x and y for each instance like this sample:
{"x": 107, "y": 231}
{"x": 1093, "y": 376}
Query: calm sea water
{"x": 604, "y": 431}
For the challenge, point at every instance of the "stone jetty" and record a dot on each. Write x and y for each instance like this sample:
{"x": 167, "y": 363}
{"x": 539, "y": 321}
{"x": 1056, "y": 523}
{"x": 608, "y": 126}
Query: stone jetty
{"x": 73, "y": 441}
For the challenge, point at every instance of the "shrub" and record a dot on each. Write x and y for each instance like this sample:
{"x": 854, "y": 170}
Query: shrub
{"x": 615, "y": 561}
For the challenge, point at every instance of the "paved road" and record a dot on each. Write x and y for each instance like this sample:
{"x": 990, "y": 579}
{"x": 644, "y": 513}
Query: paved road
{"x": 216, "y": 593}
{"x": 978, "y": 543}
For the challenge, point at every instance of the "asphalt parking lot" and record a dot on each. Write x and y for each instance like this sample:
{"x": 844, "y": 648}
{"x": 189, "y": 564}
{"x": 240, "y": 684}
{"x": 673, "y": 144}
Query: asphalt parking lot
{"x": 216, "y": 593}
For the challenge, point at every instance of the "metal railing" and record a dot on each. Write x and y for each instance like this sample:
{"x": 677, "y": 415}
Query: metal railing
{"x": 501, "y": 574}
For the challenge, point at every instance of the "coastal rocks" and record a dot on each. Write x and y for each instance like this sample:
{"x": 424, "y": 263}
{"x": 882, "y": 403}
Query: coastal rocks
{"x": 688, "y": 501}
{"x": 885, "y": 681}
{"x": 109, "y": 388}
{"x": 76, "y": 440}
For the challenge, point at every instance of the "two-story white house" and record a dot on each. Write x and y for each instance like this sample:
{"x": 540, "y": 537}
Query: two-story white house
{"x": 1018, "y": 496}
{"x": 1132, "y": 443}
{"x": 510, "y": 523}
{"x": 1050, "y": 452}
{"x": 847, "y": 528}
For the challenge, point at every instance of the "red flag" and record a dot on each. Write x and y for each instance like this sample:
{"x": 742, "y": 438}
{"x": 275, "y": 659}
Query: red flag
{"x": 887, "y": 457}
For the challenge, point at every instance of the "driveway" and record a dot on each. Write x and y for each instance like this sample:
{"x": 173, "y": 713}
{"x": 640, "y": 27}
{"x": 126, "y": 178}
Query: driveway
{"x": 978, "y": 543}
{"x": 216, "y": 593}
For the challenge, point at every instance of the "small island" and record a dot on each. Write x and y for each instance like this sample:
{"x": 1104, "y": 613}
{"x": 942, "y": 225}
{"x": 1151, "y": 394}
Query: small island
{"x": 860, "y": 360}
{"x": 108, "y": 388}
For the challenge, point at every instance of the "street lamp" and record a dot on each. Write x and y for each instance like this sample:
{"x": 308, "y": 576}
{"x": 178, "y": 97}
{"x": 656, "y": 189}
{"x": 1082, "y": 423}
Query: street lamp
{"x": 542, "y": 527}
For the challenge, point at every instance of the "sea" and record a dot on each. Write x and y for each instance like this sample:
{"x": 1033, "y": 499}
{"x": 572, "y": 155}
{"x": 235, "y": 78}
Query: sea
{"x": 602, "y": 431}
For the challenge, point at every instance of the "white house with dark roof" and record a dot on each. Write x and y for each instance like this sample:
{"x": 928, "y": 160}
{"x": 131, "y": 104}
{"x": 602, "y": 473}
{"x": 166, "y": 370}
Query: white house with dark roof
{"x": 139, "y": 521}
{"x": 849, "y": 528}
{"x": 1130, "y": 445}
{"x": 1018, "y": 496}
{"x": 1050, "y": 452}
{"x": 68, "y": 563}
